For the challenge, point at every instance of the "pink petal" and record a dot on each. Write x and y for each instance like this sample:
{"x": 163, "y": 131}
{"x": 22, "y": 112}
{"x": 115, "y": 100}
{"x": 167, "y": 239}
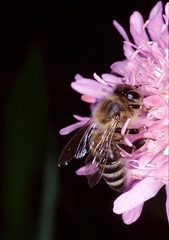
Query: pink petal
{"x": 156, "y": 22}
{"x": 151, "y": 145}
{"x": 154, "y": 100}
{"x": 136, "y": 29}
{"x": 159, "y": 161}
{"x": 71, "y": 128}
{"x": 132, "y": 215}
{"x": 81, "y": 171}
{"x": 80, "y": 118}
{"x": 119, "y": 67}
{"x": 161, "y": 112}
{"x": 166, "y": 151}
{"x": 167, "y": 201}
{"x": 157, "y": 53}
{"x": 162, "y": 173}
{"x": 141, "y": 192}
{"x": 78, "y": 77}
{"x": 89, "y": 169}
{"x": 128, "y": 50}
{"x": 145, "y": 159}
{"x": 121, "y": 30}
{"x": 90, "y": 87}
{"x": 92, "y": 107}
{"x": 166, "y": 9}
{"x": 110, "y": 78}
{"x": 88, "y": 99}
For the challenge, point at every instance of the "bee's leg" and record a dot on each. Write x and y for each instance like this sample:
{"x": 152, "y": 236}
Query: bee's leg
{"x": 131, "y": 130}
{"x": 140, "y": 142}
{"x": 137, "y": 144}
{"x": 139, "y": 106}
{"x": 124, "y": 147}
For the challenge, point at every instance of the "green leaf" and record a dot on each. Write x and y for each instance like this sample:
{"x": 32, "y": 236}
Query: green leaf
{"x": 25, "y": 135}
{"x": 50, "y": 195}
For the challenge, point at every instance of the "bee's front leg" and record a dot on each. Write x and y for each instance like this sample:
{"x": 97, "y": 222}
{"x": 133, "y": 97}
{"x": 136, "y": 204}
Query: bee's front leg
{"x": 131, "y": 130}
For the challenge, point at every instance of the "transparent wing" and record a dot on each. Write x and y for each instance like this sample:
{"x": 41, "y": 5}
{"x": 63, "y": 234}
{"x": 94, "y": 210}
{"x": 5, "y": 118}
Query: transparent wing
{"x": 78, "y": 145}
{"x": 100, "y": 157}
{"x": 96, "y": 174}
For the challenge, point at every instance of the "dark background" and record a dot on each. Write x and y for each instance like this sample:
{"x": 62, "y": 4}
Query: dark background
{"x": 43, "y": 45}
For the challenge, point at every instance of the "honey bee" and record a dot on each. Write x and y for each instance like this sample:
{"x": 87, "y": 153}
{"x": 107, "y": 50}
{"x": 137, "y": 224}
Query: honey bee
{"x": 102, "y": 140}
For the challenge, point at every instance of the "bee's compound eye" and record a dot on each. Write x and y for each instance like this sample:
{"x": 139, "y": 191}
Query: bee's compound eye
{"x": 133, "y": 96}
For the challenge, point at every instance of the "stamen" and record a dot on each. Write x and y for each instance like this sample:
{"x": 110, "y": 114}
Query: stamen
{"x": 149, "y": 65}
{"x": 160, "y": 137}
{"x": 147, "y": 166}
{"x": 160, "y": 80}
{"x": 145, "y": 44}
{"x": 131, "y": 44}
{"x": 139, "y": 49}
{"x": 99, "y": 79}
{"x": 155, "y": 150}
{"x": 133, "y": 55}
{"x": 145, "y": 24}
{"x": 133, "y": 78}
{"x": 164, "y": 89}
{"x": 138, "y": 75}
{"x": 164, "y": 180}
{"x": 141, "y": 168}
{"x": 137, "y": 176}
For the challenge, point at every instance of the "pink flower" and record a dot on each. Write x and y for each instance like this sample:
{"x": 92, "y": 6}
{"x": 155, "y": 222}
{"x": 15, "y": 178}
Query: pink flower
{"x": 146, "y": 65}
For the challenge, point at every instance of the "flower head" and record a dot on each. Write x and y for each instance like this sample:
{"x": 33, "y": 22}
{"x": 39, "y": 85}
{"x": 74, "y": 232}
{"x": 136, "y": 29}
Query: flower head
{"x": 146, "y": 65}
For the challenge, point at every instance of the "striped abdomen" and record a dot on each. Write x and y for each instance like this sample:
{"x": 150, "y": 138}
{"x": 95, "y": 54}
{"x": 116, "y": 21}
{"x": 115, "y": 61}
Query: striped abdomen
{"x": 116, "y": 173}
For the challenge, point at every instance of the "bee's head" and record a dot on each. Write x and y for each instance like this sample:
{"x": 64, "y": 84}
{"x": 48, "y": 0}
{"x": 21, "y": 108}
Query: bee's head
{"x": 129, "y": 92}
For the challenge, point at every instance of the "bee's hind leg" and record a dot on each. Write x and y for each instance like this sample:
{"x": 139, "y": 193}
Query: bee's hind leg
{"x": 137, "y": 144}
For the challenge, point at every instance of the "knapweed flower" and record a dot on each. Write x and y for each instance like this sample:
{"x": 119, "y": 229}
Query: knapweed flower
{"x": 146, "y": 66}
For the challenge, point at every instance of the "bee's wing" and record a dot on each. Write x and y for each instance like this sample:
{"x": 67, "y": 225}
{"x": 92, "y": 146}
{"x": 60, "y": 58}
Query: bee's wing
{"x": 102, "y": 150}
{"x": 78, "y": 145}
{"x": 97, "y": 170}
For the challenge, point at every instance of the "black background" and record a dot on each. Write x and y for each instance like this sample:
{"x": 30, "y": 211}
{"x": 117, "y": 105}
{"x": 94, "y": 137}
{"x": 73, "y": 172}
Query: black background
{"x": 74, "y": 37}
